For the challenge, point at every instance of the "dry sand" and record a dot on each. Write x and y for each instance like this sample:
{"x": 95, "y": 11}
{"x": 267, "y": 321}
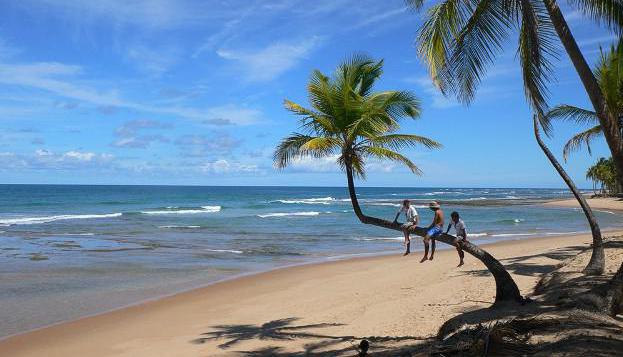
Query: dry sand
{"x": 602, "y": 203}
{"x": 313, "y": 308}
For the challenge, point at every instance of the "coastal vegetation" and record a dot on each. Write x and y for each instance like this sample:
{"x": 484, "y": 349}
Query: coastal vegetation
{"x": 603, "y": 175}
{"x": 351, "y": 123}
{"x": 460, "y": 40}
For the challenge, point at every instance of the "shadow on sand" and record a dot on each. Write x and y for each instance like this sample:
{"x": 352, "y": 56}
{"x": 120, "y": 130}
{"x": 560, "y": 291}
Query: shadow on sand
{"x": 314, "y": 342}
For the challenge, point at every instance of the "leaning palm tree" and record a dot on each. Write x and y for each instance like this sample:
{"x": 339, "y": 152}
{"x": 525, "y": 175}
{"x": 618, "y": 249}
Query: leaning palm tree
{"x": 460, "y": 39}
{"x": 597, "y": 263}
{"x": 609, "y": 74}
{"x": 352, "y": 123}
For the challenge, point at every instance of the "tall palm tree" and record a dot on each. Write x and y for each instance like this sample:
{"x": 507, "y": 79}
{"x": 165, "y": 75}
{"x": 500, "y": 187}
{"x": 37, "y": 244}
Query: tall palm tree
{"x": 597, "y": 263}
{"x": 609, "y": 75}
{"x": 460, "y": 39}
{"x": 352, "y": 123}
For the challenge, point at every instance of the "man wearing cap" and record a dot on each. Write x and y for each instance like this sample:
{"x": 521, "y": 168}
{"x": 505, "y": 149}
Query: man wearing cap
{"x": 435, "y": 229}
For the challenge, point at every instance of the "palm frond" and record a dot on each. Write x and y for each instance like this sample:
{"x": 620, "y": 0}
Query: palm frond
{"x": 572, "y": 113}
{"x": 585, "y": 137}
{"x": 607, "y": 12}
{"x": 320, "y": 93}
{"x": 398, "y": 104}
{"x": 415, "y": 4}
{"x": 386, "y": 154}
{"x": 477, "y": 46}
{"x": 537, "y": 41}
{"x": 436, "y": 38}
{"x": 402, "y": 141}
{"x": 299, "y": 145}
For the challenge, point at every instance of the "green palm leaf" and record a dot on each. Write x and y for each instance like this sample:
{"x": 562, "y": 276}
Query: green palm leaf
{"x": 536, "y": 47}
{"x": 402, "y": 141}
{"x": 299, "y": 145}
{"x": 608, "y": 12}
{"x": 386, "y": 154}
{"x": 572, "y": 113}
{"x": 585, "y": 137}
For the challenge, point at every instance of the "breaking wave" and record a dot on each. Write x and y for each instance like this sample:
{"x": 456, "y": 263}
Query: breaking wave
{"x": 48, "y": 219}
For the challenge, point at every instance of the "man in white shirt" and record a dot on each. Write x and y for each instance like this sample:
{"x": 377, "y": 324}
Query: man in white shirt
{"x": 412, "y": 221}
{"x": 460, "y": 232}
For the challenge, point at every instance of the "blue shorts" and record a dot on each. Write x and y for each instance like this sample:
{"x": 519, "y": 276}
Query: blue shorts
{"x": 433, "y": 232}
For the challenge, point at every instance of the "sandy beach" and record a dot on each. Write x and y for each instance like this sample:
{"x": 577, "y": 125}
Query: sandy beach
{"x": 310, "y": 308}
{"x": 601, "y": 203}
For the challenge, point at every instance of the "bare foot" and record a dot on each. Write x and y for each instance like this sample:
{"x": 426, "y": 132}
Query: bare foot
{"x": 406, "y": 253}
{"x": 460, "y": 264}
{"x": 424, "y": 259}
{"x": 431, "y": 258}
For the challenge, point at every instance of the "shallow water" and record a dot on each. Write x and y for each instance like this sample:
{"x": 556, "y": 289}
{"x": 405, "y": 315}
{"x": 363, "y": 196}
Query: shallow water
{"x": 68, "y": 251}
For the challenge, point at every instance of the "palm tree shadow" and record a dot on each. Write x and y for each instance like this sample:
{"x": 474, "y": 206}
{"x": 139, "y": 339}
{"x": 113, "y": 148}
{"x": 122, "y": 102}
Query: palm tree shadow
{"x": 278, "y": 330}
{"x": 285, "y": 330}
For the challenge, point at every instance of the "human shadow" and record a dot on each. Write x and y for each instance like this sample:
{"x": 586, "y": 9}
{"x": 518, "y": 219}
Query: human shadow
{"x": 319, "y": 343}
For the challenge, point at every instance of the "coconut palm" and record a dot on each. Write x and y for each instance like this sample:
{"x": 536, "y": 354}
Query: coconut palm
{"x": 351, "y": 123}
{"x": 460, "y": 40}
{"x": 610, "y": 79}
{"x": 597, "y": 263}
{"x": 609, "y": 74}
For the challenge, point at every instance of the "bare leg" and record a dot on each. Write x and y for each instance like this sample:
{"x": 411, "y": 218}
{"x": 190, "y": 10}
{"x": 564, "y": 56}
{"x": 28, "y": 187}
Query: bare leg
{"x": 407, "y": 242}
{"x": 461, "y": 254}
{"x": 425, "y": 258}
{"x": 432, "y": 250}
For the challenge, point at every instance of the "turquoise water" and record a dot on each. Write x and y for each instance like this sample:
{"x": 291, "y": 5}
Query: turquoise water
{"x": 64, "y": 249}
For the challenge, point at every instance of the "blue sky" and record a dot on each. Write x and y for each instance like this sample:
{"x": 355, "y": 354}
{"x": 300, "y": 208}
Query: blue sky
{"x": 191, "y": 92}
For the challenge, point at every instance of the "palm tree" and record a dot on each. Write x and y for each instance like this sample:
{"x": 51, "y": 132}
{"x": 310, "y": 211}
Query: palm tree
{"x": 460, "y": 39}
{"x": 591, "y": 174}
{"x": 352, "y": 123}
{"x": 609, "y": 74}
{"x": 597, "y": 263}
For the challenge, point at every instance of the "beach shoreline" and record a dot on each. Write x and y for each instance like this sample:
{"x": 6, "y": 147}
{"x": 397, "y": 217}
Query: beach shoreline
{"x": 192, "y": 312}
{"x": 598, "y": 203}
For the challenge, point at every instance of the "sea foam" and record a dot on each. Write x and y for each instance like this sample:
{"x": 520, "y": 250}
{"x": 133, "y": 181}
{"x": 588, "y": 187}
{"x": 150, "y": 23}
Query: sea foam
{"x": 48, "y": 219}
{"x": 308, "y": 201}
{"x": 284, "y": 214}
{"x": 203, "y": 209}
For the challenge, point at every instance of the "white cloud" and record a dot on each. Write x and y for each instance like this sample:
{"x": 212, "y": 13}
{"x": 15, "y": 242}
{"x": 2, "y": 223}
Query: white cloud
{"x": 222, "y": 166}
{"x": 147, "y": 14}
{"x": 270, "y": 62}
{"x": 78, "y": 156}
{"x": 129, "y": 134}
{"x": 438, "y": 99}
{"x": 46, "y": 159}
{"x": 379, "y": 17}
{"x": 310, "y": 164}
{"x": 329, "y": 164}
{"x": 153, "y": 61}
{"x": 64, "y": 80}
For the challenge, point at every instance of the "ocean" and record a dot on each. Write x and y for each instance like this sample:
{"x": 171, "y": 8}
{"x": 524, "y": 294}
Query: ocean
{"x": 68, "y": 251}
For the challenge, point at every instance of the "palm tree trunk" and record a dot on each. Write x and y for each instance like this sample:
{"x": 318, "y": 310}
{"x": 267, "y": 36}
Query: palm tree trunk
{"x": 614, "y": 293}
{"x": 505, "y": 286}
{"x": 609, "y": 125}
{"x": 597, "y": 263}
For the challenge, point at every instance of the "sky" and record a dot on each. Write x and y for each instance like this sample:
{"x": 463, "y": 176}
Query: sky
{"x": 181, "y": 92}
